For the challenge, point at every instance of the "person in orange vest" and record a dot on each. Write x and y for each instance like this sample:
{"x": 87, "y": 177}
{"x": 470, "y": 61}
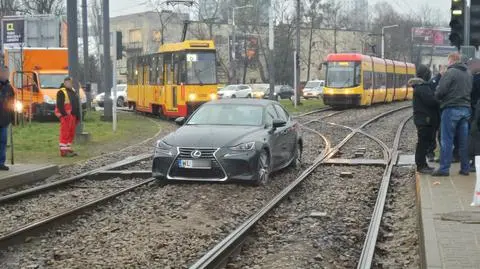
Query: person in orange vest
{"x": 68, "y": 111}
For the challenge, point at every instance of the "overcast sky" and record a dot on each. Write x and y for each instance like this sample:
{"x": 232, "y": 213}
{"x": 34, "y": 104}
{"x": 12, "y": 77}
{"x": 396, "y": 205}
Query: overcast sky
{"x": 123, "y": 7}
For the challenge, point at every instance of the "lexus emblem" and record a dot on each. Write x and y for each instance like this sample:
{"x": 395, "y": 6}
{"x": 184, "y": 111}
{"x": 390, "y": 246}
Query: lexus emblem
{"x": 196, "y": 154}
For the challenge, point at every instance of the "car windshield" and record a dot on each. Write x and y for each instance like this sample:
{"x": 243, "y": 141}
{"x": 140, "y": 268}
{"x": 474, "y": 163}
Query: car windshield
{"x": 201, "y": 68}
{"x": 51, "y": 81}
{"x": 313, "y": 84}
{"x": 342, "y": 74}
{"x": 227, "y": 114}
{"x": 229, "y": 88}
{"x": 121, "y": 88}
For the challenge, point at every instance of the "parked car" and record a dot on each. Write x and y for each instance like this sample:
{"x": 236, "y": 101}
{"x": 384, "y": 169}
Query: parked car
{"x": 235, "y": 91}
{"x": 230, "y": 139}
{"x": 259, "y": 90}
{"x": 313, "y": 89}
{"x": 121, "y": 96}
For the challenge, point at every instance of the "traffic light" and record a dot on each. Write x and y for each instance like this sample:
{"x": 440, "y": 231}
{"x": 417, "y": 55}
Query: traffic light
{"x": 457, "y": 23}
{"x": 475, "y": 23}
{"x": 118, "y": 45}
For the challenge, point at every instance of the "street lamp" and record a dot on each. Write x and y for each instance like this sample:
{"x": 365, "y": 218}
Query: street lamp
{"x": 383, "y": 37}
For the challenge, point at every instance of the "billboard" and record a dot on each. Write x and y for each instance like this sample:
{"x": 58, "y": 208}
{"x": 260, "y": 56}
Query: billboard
{"x": 245, "y": 49}
{"x": 13, "y": 32}
{"x": 431, "y": 36}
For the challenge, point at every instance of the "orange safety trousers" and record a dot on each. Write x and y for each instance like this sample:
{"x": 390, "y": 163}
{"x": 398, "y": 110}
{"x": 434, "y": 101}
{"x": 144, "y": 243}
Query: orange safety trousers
{"x": 67, "y": 133}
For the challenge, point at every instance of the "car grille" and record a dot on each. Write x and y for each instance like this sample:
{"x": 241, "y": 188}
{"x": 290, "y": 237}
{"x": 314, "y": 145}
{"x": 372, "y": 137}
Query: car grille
{"x": 216, "y": 172}
{"x": 187, "y": 153}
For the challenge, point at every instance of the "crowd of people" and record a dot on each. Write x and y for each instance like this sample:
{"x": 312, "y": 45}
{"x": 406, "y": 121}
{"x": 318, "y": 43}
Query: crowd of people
{"x": 447, "y": 108}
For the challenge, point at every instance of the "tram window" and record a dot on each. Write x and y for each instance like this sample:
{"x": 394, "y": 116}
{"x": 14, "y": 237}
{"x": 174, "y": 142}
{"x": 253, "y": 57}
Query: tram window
{"x": 159, "y": 70}
{"x": 379, "y": 82}
{"x": 358, "y": 73}
{"x": 152, "y": 76}
{"x": 398, "y": 80}
{"x": 390, "y": 80}
{"x": 367, "y": 80}
{"x": 167, "y": 59}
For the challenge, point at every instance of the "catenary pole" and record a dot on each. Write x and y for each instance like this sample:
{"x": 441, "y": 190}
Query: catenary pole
{"x": 271, "y": 36}
{"x": 73, "y": 54}
{"x": 107, "y": 72}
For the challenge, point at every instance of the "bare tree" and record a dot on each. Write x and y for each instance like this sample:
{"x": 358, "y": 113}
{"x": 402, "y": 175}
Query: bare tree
{"x": 56, "y": 7}
{"x": 165, "y": 15}
{"x": 9, "y": 7}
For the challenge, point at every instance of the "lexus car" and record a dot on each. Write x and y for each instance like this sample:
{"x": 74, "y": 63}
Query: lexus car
{"x": 232, "y": 139}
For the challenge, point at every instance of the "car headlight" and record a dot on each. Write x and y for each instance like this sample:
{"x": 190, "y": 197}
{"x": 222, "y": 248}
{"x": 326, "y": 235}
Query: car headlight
{"x": 244, "y": 146}
{"x": 192, "y": 97}
{"x": 163, "y": 148}
{"x": 18, "y": 106}
{"x": 213, "y": 96}
{"x": 49, "y": 100}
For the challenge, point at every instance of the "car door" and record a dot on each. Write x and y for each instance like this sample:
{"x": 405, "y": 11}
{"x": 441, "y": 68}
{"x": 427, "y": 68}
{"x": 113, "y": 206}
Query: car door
{"x": 243, "y": 91}
{"x": 289, "y": 135}
{"x": 276, "y": 138}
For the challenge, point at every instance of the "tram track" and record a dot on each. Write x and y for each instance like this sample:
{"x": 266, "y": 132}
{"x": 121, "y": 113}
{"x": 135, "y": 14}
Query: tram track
{"x": 174, "y": 204}
{"x": 219, "y": 255}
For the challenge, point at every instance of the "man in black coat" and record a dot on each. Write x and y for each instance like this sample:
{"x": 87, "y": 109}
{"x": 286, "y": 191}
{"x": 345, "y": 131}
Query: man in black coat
{"x": 425, "y": 116}
{"x": 474, "y": 138}
{"x": 7, "y": 99}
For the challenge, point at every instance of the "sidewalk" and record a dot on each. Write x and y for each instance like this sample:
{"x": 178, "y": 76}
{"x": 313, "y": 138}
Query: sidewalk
{"x": 449, "y": 226}
{"x": 20, "y": 174}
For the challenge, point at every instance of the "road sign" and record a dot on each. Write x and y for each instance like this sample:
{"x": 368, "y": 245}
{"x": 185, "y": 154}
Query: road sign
{"x": 13, "y": 32}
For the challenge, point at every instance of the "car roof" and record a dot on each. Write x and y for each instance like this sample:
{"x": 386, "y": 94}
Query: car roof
{"x": 246, "y": 101}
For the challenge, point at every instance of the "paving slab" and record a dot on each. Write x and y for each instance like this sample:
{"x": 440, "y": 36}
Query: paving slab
{"x": 449, "y": 226}
{"x": 20, "y": 174}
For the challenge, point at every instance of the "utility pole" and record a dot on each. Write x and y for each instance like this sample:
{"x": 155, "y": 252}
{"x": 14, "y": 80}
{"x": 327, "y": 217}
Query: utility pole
{"x": 85, "y": 42}
{"x": 297, "y": 50}
{"x": 107, "y": 63}
{"x": 73, "y": 55}
{"x": 86, "y": 78}
{"x": 271, "y": 36}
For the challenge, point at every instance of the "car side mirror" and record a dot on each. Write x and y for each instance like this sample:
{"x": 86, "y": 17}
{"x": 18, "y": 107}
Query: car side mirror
{"x": 180, "y": 120}
{"x": 278, "y": 123}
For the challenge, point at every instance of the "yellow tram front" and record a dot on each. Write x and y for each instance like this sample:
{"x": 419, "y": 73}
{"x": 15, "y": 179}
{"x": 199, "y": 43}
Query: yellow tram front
{"x": 175, "y": 81}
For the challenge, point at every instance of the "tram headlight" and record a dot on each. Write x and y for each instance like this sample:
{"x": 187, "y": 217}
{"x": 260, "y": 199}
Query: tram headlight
{"x": 213, "y": 96}
{"x": 192, "y": 97}
{"x": 18, "y": 106}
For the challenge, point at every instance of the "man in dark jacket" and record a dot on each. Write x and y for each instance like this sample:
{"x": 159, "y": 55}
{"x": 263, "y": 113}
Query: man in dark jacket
{"x": 434, "y": 84}
{"x": 474, "y": 139}
{"x": 68, "y": 111}
{"x": 425, "y": 116}
{"x": 7, "y": 99}
{"x": 453, "y": 93}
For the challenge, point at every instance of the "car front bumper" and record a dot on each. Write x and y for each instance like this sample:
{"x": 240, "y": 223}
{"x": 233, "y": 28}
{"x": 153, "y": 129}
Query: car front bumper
{"x": 225, "y": 166}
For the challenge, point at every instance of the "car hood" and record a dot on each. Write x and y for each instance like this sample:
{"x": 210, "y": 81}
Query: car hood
{"x": 209, "y": 136}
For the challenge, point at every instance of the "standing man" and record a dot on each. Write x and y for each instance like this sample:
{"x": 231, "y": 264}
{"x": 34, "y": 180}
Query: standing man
{"x": 454, "y": 95}
{"x": 425, "y": 116}
{"x": 68, "y": 111}
{"x": 7, "y": 99}
{"x": 434, "y": 84}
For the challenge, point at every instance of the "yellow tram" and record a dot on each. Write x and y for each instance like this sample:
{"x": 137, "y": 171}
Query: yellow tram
{"x": 361, "y": 80}
{"x": 175, "y": 81}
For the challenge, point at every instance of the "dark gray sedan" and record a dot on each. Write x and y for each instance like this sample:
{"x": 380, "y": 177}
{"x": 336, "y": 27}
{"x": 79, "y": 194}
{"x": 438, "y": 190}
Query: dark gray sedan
{"x": 232, "y": 139}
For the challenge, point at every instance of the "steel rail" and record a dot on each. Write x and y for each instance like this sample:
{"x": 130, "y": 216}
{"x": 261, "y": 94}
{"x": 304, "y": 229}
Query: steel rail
{"x": 219, "y": 254}
{"x": 37, "y": 226}
{"x": 312, "y": 112}
{"x": 127, "y": 161}
{"x": 368, "y": 249}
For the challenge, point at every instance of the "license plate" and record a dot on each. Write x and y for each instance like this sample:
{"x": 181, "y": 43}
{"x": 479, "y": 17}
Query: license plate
{"x": 195, "y": 164}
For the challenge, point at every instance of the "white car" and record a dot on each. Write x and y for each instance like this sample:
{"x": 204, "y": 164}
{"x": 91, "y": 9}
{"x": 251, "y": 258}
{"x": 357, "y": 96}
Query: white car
{"x": 313, "y": 89}
{"x": 235, "y": 91}
{"x": 121, "y": 96}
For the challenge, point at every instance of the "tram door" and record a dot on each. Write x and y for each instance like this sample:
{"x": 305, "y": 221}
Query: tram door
{"x": 170, "y": 84}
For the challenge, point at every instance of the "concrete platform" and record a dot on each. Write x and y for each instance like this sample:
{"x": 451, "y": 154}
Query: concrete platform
{"x": 449, "y": 226}
{"x": 20, "y": 174}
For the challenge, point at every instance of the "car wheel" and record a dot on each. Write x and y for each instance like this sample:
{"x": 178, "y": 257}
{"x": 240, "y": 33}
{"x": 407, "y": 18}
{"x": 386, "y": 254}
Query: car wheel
{"x": 277, "y": 98}
{"x": 249, "y": 96}
{"x": 233, "y": 96}
{"x": 263, "y": 169}
{"x": 297, "y": 161}
{"x": 120, "y": 102}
